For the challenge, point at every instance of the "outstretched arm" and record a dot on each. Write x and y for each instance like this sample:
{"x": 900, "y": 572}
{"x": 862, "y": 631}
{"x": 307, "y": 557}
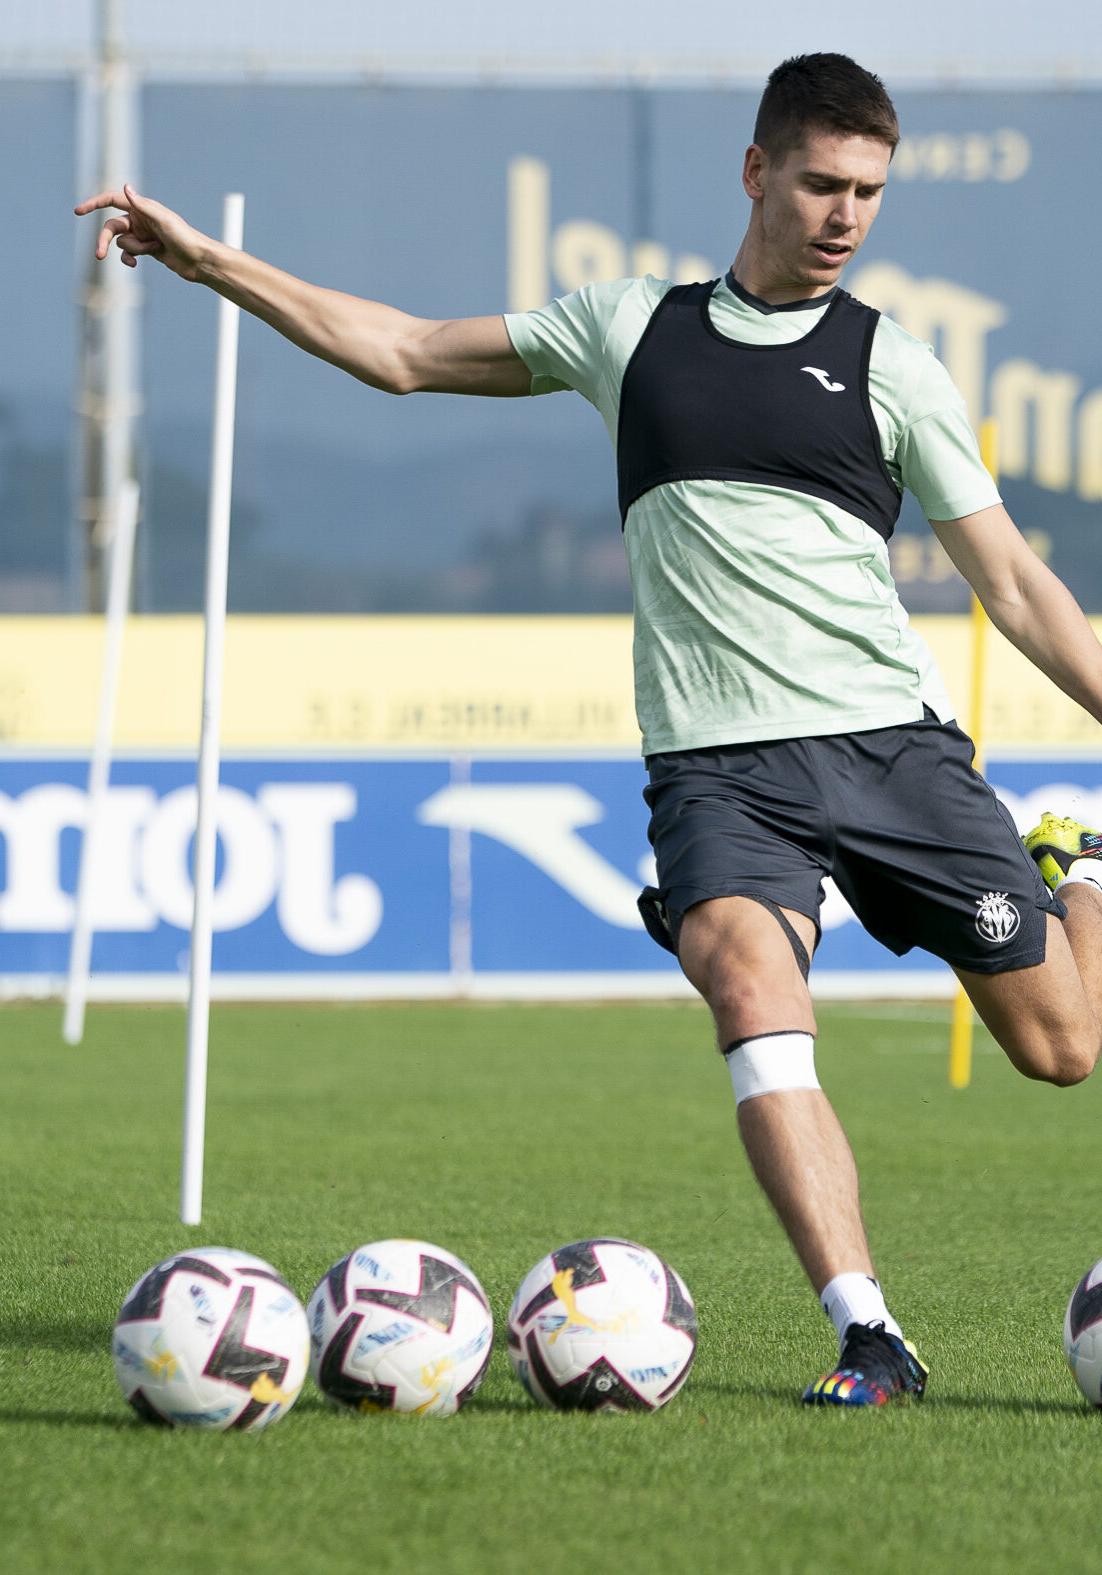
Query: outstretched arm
{"x": 1026, "y": 602}
{"x": 380, "y": 345}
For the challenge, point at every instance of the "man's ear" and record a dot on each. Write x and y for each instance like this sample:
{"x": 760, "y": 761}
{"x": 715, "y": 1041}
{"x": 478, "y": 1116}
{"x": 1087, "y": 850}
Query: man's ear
{"x": 753, "y": 166}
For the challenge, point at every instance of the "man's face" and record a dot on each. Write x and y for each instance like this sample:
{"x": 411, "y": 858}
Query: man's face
{"x": 815, "y": 206}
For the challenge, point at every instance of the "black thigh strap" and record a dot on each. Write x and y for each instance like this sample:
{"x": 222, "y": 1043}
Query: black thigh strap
{"x": 657, "y": 923}
{"x": 803, "y": 961}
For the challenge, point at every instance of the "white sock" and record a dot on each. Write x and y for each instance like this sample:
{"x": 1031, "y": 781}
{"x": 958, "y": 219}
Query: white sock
{"x": 1088, "y": 871}
{"x": 856, "y": 1298}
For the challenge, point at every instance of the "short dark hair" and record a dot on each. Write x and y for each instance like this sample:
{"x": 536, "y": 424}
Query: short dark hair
{"x": 822, "y": 93}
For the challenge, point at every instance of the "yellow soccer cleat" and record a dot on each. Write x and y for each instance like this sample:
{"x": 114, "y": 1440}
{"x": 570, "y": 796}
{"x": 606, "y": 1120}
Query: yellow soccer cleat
{"x": 1056, "y": 844}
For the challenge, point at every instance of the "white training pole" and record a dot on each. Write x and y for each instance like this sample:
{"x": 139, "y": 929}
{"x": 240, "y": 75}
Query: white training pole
{"x": 99, "y": 767}
{"x": 218, "y": 552}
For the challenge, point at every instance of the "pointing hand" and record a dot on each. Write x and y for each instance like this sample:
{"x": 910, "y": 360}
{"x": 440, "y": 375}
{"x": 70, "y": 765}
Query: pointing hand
{"x": 146, "y": 228}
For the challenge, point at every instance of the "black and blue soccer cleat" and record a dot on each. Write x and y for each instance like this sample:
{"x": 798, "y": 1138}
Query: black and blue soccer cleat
{"x": 874, "y": 1368}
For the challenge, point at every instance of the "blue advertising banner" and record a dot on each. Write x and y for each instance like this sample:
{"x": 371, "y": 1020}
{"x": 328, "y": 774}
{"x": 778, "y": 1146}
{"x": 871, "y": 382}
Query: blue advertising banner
{"x": 372, "y": 876}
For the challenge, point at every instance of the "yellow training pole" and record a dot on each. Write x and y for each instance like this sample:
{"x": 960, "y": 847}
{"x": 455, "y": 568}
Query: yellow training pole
{"x": 960, "y": 1034}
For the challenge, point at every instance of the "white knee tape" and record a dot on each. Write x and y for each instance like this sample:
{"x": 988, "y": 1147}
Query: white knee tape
{"x": 772, "y": 1063}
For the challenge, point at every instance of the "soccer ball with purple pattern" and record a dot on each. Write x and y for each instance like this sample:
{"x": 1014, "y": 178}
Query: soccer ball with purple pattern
{"x": 400, "y": 1326}
{"x": 602, "y": 1325}
{"x": 211, "y": 1338}
{"x": 1083, "y": 1334}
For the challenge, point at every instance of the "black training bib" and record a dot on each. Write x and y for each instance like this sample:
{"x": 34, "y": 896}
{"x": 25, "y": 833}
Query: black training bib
{"x": 696, "y": 406}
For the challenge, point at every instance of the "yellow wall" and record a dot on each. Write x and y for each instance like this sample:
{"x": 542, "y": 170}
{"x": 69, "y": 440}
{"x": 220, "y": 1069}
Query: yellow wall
{"x": 411, "y": 683}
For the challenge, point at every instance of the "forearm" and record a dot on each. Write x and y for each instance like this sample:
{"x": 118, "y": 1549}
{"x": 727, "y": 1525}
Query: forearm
{"x": 364, "y": 338}
{"x": 378, "y": 344}
{"x": 1044, "y": 621}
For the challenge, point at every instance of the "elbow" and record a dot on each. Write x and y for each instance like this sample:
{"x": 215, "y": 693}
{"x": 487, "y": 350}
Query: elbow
{"x": 1002, "y": 604}
{"x": 386, "y": 380}
{"x": 1004, "y": 599}
{"x": 401, "y": 373}
{"x": 398, "y": 378}
{"x": 384, "y": 367}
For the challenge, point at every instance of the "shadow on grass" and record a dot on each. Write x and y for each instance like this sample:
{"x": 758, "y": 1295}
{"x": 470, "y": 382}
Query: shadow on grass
{"x": 313, "y": 1403}
{"x": 503, "y": 1407}
{"x": 934, "y": 1402}
{"x": 1015, "y": 1406}
{"x": 27, "y": 1335}
{"x": 93, "y": 1419}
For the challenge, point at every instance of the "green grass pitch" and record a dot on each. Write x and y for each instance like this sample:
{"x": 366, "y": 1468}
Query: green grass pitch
{"x": 501, "y": 1132}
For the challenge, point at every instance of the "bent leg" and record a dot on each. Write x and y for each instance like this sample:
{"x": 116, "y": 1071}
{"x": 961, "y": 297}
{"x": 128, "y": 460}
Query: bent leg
{"x": 738, "y": 957}
{"x": 1048, "y": 1018}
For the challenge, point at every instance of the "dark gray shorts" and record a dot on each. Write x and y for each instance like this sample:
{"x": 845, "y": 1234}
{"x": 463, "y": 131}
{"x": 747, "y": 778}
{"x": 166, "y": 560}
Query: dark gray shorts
{"x": 917, "y": 842}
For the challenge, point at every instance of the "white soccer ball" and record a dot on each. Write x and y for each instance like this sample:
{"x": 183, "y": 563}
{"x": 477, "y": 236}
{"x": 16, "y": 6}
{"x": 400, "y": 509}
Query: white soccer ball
{"x": 211, "y": 1338}
{"x": 400, "y": 1326}
{"x": 602, "y": 1325}
{"x": 1083, "y": 1334}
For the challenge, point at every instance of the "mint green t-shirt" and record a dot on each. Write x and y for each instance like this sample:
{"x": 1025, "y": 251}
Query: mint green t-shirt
{"x": 761, "y": 612}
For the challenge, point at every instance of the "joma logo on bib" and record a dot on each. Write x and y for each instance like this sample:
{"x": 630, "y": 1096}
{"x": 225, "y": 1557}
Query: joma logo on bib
{"x": 824, "y": 379}
{"x": 997, "y": 919}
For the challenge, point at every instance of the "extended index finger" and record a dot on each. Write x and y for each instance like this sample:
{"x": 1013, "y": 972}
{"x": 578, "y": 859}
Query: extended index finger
{"x": 104, "y": 199}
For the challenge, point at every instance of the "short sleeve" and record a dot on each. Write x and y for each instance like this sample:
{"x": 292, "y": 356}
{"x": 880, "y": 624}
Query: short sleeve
{"x": 937, "y": 456}
{"x": 563, "y": 344}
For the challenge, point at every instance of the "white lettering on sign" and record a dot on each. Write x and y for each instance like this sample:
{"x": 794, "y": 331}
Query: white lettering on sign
{"x": 31, "y": 826}
{"x": 247, "y": 882}
{"x": 277, "y": 846}
{"x": 319, "y": 913}
{"x": 540, "y": 821}
{"x": 118, "y": 902}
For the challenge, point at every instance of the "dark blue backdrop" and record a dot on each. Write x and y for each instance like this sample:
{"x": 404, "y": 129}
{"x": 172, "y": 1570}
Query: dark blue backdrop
{"x": 346, "y": 500}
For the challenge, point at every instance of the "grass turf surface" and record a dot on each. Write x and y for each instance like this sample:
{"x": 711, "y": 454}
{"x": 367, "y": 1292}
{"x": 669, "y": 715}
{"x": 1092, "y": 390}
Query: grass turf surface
{"x": 501, "y": 1132}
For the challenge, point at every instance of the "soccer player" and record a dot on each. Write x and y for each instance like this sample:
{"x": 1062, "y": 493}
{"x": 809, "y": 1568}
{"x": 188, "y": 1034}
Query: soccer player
{"x": 765, "y": 425}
